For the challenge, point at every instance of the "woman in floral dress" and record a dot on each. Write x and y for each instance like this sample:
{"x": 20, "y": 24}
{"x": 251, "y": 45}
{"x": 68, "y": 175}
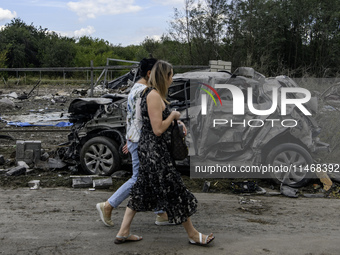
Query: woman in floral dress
{"x": 159, "y": 185}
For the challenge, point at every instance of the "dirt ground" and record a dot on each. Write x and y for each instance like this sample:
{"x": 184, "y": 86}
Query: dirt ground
{"x": 65, "y": 221}
{"x": 57, "y": 219}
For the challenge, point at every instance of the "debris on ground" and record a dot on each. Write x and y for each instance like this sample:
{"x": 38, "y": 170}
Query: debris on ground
{"x": 82, "y": 182}
{"x": 206, "y": 186}
{"x": 28, "y": 151}
{"x": 15, "y": 171}
{"x": 97, "y": 91}
{"x": 94, "y": 181}
{"x": 245, "y": 200}
{"x": 6, "y": 104}
{"x": 247, "y": 187}
{"x": 251, "y": 205}
{"x": 325, "y": 180}
{"x": 56, "y": 163}
{"x": 50, "y": 166}
{"x": 34, "y": 184}
{"x": 288, "y": 191}
{"x": 2, "y": 160}
{"x": 102, "y": 183}
{"x": 333, "y": 192}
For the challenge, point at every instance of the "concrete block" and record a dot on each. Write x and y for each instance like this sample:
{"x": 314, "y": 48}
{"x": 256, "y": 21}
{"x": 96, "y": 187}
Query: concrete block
{"x": 23, "y": 164}
{"x": 28, "y": 151}
{"x": 82, "y": 182}
{"x": 227, "y": 68}
{"x": 15, "y": 171}
{"x": 213, "y": 62}
{"x": 215, "y": 67}
{"x": 28, "y": 156}
{"x": 20, "y": 150}
{"x": 34, "y": 184}
{"x": 222, "y": 63}
{"x": 102, "y": 183}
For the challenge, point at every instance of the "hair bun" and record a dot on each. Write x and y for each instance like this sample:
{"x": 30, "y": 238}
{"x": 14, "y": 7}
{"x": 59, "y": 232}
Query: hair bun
{"x": 146, "y": 65}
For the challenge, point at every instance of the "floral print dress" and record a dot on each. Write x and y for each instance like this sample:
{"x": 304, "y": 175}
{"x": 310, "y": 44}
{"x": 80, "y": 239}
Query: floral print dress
{"x": 159, "y": 185}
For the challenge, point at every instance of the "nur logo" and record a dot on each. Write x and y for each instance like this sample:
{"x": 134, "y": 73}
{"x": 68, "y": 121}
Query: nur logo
{"x": 238, "y": 99}
{"x": 204, "y": 97}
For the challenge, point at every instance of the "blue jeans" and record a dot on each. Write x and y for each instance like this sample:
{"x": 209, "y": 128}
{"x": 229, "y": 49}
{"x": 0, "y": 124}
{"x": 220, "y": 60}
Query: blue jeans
{"x": 124, "y": 191}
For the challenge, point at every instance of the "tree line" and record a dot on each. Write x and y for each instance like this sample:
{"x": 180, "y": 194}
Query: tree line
{"x": 292, "y": 37}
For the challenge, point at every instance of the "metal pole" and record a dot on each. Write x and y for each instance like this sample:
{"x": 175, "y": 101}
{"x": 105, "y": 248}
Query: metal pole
{"x": 186, "y": 100}
{"x": 91, "y": 78}
{"x": 107, "y": 63}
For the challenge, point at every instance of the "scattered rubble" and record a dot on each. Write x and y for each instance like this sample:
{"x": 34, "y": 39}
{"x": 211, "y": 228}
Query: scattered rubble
{"x": 206, "y": 186}
{"x": 2, "y": 160}
{"x": 251, "y": 205}
{"x": 94, "y": 181}
{"x": 56, "y": 163}
{"x": 104, "y": 183}
{"x": 52, "y": 163}
{"x": 34, "y": 184}
{"x": 14, "y": 171}
{"x": 325, "y": 180}
{"x": 6, "y": 104}
{"x": 82, "y": 182}
{"x": 28, "y": 151}
{"x": 98, "y": 91}
{"x": 247, "y": 187}
{"x": 289, "y": 191}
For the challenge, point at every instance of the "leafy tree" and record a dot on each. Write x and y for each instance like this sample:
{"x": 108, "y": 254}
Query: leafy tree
{"x": 89, "y": 49}
{"x": 57, "y": 52}
{"x": 21, "y": 42}
{"x": 294, "y": 37}
{"x": 291, "y": 36}
{"x": 3, "y": 59}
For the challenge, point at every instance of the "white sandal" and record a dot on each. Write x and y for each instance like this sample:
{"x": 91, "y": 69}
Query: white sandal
{"x": 201, "y": 241}
{"x": 123, "y": 239}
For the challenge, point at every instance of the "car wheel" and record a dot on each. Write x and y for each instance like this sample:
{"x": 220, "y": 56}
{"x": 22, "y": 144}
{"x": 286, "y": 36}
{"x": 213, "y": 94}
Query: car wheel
{"x": 99, "y": 155}
{"x": 290, "y": 157}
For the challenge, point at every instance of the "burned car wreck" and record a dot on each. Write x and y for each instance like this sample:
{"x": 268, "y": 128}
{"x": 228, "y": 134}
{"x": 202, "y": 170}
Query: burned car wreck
{"x": 98, "y": 132}
{"x": 248, "y": 138}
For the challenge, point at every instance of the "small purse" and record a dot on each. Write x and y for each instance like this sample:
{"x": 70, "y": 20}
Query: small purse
{"x": 179, "y": 148}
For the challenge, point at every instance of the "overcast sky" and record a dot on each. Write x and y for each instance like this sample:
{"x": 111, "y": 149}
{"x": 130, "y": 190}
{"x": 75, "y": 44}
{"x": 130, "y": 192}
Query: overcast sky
{"x": 122, "y": 22}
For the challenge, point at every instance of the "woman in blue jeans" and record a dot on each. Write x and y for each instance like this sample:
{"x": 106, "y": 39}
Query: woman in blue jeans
{"x": 132, "y": 135}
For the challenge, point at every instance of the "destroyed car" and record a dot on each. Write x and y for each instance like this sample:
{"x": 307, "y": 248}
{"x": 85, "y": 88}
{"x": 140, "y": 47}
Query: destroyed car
{"x": 274, "y": 139}
{"x": 98, "y": 132}
{"x": 99, "y": 128}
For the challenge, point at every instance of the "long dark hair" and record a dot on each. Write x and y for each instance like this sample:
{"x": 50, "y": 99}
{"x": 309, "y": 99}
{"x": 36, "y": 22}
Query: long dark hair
{"x": 146, "y": 65}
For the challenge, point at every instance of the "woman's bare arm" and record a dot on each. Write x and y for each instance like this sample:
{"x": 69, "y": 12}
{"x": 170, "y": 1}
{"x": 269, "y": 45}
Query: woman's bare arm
{"x": 155, "y": 109}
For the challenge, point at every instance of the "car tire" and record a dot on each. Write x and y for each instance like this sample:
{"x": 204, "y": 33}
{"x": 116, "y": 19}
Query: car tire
{"x": 99, "y": 156}
{"x": 290, "y": 155}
